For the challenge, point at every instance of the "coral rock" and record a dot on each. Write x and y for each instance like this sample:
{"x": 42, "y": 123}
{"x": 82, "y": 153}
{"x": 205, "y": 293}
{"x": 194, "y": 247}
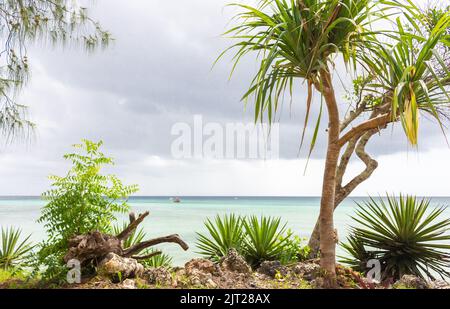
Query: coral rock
{"x": 119, "y": 268}
{"x": 307, "y": 271}
{"x": 412, "y": 282}
{"x": 201, "y": 265}
{"x": 235, "y": 262}
{"x": 272, "y": 269}
{"x": 128, "y": 284}
{"x": 439, "y": 285}
{"x": 160, "y": 275}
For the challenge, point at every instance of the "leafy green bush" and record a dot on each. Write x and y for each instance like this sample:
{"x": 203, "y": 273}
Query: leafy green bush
{"x": 404, "y": 234}
{"x": 224, "y": 233}
{"x": 13, "y": 250}
{"x": 256, "y": 239}
{"x": 294, "y": 249}
{"x": 80, "y": 202}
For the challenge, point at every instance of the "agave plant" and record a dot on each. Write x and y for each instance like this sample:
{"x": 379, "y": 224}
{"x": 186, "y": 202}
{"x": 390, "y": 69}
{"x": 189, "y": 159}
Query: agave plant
{"x": 265, "y": 239}
{"x": 224, "y": 233}
{"x": 13, "y": 250}
{"x": 405, "y": 234}
{"x": 160, "y": 260}
{"x": 359, "y": 256}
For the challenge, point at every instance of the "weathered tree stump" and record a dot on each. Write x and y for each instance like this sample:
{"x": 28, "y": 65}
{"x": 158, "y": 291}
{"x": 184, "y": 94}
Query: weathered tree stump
{"x": 92, "y": 248}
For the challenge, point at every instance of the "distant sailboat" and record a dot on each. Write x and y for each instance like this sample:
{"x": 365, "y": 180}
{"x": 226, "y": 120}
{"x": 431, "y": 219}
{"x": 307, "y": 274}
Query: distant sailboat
{"x": 175, "y": 200}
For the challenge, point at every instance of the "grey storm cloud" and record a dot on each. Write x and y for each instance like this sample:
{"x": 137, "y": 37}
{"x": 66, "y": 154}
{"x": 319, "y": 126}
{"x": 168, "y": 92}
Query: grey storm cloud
{"x": 160, "y": 65}
{"x": 156, "y": 73}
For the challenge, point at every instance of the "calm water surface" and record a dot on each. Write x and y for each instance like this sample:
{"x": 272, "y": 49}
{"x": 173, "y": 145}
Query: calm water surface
{"x": 187, "y": 218}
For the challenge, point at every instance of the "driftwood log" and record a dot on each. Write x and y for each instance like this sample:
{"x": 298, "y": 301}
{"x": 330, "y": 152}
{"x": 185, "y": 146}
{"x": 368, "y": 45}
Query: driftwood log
{"x": 95, "y": 246}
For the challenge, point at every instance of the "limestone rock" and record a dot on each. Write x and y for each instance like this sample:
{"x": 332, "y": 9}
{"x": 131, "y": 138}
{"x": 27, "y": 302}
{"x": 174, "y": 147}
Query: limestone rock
{"x": 235, "y": 262}
{"x": 272, "y": 269}
{"x": 411, "y": 282}
{"x": 119, "y": 268}
{"x": 307, "y": 271}
{"x": 160, "y": 276}
{"x": 128, "y": 284}
{"x": 439, "y": 285}
{"x": 201, "y": 265}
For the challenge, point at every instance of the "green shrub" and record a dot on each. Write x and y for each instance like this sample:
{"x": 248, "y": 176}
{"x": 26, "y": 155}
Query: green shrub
{"x": 80, "y": 202}
{"x": 264, "y": 239}
{"x": 256, "y": 239}
{"x": 404, "y": 234}
{"x": 294, "y": 249}
{"x": 13, "y": 250}
{"x": 224, "y": 233}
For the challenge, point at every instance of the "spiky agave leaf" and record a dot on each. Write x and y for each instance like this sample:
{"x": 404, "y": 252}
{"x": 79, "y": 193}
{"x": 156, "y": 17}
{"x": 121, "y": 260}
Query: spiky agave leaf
{"x": 224, "y": 233}
{"x": 265, "y": 239}
{"x": 405, "y": 234}
{"x": 135, "y": 237}
{"x": 160, "y": 260}
{"x": 13, "y": 250}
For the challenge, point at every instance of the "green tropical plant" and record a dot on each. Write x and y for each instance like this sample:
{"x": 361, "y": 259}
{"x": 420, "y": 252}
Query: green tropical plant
{"x": 301, "y": 40}
{"x": 358, "y": 255}
{"x": 256, "y": 239}
{"x": 158, "y": 260}
{"x": 294, "y": 250}
{"x": 224, "y": 233}
{"x": 14, "y": 250}
{"x": 265, "y": 240}
{"x": 405, "y": 234}
{"x": 80, "y": 202}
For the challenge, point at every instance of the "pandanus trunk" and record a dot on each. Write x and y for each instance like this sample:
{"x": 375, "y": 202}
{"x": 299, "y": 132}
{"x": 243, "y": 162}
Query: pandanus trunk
{"x": 314, "y": 240}
{"x": 327, "y": 231}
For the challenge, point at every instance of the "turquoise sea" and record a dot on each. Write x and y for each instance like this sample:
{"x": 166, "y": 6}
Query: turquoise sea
{"x": 187, "y": 218}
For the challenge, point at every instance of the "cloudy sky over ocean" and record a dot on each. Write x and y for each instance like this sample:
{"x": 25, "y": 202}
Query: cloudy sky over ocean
{"x": 157, "y": 73}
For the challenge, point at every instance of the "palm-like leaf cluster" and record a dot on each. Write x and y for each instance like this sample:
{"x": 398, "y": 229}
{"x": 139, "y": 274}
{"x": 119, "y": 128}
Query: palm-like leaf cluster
{"x": 295, "y": 39}
{"x": 409, "y": 72}
{"x": 404, "y": 234}
{"x": 13, "y": 250}
{"x": 256, "y": 239}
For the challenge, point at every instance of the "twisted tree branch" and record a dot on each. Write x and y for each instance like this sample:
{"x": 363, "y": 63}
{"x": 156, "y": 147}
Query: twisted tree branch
{"x": 133, "y": 225}
{"x": 149, "y": 243}
{"x": 145, "y": 257}
{"x": 371, "y": 166}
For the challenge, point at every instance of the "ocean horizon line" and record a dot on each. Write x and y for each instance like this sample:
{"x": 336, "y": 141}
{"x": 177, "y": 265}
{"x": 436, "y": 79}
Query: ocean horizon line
{"x": 228, "y": 196}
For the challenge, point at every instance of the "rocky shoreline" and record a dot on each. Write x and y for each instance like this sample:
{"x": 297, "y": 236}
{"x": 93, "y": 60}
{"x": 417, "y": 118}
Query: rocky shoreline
{"x": 232, "y": 272}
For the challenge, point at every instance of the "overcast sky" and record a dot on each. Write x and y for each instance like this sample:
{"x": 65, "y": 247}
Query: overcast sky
{"x": 158, "y": 72}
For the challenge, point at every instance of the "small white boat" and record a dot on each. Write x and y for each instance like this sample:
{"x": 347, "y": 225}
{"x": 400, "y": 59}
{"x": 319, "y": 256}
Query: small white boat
{"x": 176, "y": 200}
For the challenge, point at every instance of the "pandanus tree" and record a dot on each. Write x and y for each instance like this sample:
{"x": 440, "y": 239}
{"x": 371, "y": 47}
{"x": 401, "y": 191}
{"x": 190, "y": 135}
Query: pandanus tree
{"x": 303, "y": 39}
